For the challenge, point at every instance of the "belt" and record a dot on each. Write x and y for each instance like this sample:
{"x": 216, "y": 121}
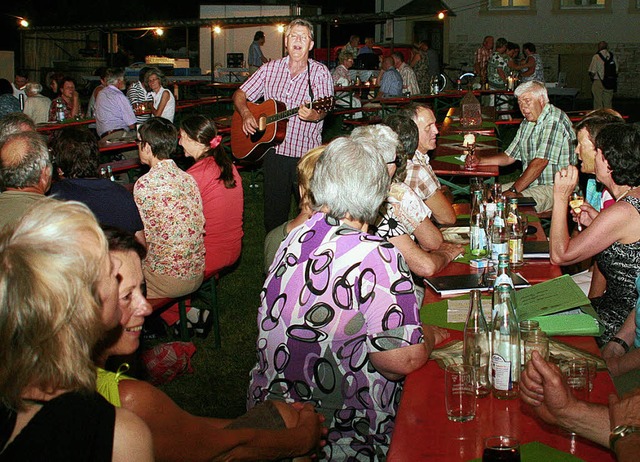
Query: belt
{"x": 109, "y": 132}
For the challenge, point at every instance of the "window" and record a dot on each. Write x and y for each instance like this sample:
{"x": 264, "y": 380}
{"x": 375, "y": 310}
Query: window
{"x": 582, "y": 4}
{"x": 509, "y": 4}
{"x": 508, "y": 7}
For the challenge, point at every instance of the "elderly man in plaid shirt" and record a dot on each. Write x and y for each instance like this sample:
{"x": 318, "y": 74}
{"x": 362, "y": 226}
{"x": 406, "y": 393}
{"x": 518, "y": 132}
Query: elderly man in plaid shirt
{"x": 293, "y": 80}
{"x": 544, "y": 144}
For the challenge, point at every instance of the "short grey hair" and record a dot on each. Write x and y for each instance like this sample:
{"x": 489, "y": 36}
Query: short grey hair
{"x": 299, "y": 22}
{"x": 350, "y": 178}
{"x": 381, "y": 137}
{"x": 535, "y": 87}
{"x": 113, "y": 75}
{"x": 27, "y": 170}
{"x": 33, "y": 87}
{"x": 16, "y": 122}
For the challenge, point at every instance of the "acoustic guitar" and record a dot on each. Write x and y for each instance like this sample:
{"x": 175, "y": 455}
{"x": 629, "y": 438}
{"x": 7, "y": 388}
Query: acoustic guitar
{"x": 272, "y": 117}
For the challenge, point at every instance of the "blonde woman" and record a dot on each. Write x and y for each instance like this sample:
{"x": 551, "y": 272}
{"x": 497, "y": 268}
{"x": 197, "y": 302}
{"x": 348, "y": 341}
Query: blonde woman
{"x": 58, "y": 293}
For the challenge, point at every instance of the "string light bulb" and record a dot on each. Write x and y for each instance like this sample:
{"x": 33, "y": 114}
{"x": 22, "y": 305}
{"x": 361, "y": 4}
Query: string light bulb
{"x": 441, "y": 15}
{"x": 159, "y": 32}
{"x": 22, "y": 22}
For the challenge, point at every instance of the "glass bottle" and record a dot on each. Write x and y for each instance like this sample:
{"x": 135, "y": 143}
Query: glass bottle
{"x": 110, "y": 173}
{"x": 516, "y": 234}
{"x": 499, "y": 234}
{"x": 477, "y": 348}
{"x": 505, "y": 351}
{"x": 103, "y": 172}
{"x": 477, "y": 225}
{"x": 60, "y": 111}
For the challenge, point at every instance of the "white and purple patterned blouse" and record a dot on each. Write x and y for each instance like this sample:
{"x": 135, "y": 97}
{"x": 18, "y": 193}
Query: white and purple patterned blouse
{"x": 333, "y": 295}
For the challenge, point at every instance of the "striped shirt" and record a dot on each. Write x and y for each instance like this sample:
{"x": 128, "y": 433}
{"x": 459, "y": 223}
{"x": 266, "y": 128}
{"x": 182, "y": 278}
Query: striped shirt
{"x": 273, "y": 81}
{"x": 550, "y": 137}
{"x": 137, "y": 93}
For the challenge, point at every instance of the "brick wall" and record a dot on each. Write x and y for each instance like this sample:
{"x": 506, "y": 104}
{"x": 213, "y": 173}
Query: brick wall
{"x": 627, "y": 55}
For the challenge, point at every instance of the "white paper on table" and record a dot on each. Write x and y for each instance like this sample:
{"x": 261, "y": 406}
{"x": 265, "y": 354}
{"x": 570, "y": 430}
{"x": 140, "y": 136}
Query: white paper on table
{"x": 457, "y": 310}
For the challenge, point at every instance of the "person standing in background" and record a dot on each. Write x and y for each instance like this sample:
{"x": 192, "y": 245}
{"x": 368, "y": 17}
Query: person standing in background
{"x": 290, "y": 80}
{"x": 602, "y": 97}
{"x": 482, "y": 58}
{"x": 256, "y": 57}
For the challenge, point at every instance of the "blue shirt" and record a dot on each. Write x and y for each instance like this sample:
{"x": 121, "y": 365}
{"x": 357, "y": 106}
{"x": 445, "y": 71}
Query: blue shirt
{"x": 391, "y": 83}
{"x": 255, "y": 54}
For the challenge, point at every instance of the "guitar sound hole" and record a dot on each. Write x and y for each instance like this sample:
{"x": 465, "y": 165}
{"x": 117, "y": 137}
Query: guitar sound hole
{"x": 256, "y": 136}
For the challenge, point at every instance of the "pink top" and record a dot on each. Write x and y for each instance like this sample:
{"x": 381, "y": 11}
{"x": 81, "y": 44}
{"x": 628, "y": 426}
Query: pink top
{"x": 223, "y": 209}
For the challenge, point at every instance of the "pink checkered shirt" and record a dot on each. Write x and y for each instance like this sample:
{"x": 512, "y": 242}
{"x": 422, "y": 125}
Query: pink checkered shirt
{"x": 273, "y": 81}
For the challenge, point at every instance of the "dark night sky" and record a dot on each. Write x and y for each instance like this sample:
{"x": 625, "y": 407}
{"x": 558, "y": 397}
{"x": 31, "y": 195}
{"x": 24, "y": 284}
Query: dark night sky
{"x": 62, "y": 12}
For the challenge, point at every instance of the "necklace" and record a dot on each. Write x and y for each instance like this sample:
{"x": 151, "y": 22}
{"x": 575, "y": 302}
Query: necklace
{"x": 625, "y": 193}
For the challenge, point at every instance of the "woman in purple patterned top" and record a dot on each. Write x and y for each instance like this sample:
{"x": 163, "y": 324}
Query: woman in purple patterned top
{"x": 338, "y": 321}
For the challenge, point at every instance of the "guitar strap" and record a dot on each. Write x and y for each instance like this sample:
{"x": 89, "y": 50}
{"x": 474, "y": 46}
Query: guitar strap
{"x": 309, "y": 81}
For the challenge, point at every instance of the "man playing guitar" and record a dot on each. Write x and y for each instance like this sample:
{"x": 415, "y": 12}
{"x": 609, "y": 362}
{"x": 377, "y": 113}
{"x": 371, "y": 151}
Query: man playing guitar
{"x": 294, "y": 80}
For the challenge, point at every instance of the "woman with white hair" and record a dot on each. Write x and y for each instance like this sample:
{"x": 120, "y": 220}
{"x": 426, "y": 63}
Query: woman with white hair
{"x": 338, "y": 321}
{"x": 58, "y": 294}
{"x": 403, "y": 219}
{"x": 36, "y": 105}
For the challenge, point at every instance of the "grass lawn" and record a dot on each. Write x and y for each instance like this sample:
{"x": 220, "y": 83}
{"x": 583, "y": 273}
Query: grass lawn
{"x": 219, "y": 384}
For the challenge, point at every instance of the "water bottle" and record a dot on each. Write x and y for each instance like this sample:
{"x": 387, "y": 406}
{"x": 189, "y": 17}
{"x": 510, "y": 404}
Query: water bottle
{"x": 505, "y": 352}
{"x": 477, "y": 348}
{"x": 516, "y": 234}
{"x": 60, "y": 111}
{"x": 477, "y": 225}
{"x": 499, "y": 234}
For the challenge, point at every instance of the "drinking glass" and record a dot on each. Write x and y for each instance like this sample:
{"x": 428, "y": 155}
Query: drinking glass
{"x": 577, "y": 199}
{"x": 576, "y": 372}
{"x": 501, "y": 449}
{"x": 460, "y": 393}
{"x": 536, "y": 341}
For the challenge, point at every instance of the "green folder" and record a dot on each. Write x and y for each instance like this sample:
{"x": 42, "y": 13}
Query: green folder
{"x": 547, "y": 303}
{"x": 536, "y": 451}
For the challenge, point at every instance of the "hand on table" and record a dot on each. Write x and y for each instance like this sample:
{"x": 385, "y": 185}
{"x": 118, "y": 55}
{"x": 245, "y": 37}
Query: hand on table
{"x": 439, "y": 334}
{"x": 451, "y": 250}
{"x": 625, "y": 411}
{"x": 542, "y": 386}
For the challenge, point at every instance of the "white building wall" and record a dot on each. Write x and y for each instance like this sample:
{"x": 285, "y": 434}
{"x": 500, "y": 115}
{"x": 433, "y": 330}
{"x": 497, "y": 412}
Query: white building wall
{"x": 238, "y": 39}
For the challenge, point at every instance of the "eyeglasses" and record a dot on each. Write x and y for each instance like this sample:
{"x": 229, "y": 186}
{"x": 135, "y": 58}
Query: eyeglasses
{"x": 301, "y": 37}
{"x": 139, "y": 141}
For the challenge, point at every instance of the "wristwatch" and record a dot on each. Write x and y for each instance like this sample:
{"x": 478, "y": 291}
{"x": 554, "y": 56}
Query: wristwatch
{"x": 620, "y": 342}
{"x": 620, "y": 432}
{"x": 513, "y": 190}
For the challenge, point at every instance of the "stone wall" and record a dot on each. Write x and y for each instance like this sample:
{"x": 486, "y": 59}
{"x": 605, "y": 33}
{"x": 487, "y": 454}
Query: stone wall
{"x": 627, "y": 55}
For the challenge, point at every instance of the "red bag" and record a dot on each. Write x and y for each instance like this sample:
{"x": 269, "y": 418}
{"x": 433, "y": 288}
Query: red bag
{"x": 167, "y": 361}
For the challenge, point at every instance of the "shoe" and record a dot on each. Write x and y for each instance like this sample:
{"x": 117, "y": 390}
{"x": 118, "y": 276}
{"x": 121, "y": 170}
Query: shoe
{"x": 201, "y": 321}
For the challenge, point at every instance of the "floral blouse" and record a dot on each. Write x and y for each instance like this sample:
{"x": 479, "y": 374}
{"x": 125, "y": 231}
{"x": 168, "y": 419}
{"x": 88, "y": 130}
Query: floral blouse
{"x": 171, "y": 209}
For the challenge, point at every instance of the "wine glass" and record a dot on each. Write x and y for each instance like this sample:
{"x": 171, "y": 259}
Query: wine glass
{"x": 577, "y": 199}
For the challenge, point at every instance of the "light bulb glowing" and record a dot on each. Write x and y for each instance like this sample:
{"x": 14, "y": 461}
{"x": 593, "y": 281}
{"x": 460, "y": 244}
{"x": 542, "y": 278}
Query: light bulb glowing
{"x": 441, "y": 15}
{"x": 159, "y": 32}
{"x": 280, "y": 29}
{"x": 23, "y": 23}
{"x": 217, "y": 29}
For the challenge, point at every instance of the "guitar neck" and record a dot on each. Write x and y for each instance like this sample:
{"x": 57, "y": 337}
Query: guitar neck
{"x": 282, "y": 115}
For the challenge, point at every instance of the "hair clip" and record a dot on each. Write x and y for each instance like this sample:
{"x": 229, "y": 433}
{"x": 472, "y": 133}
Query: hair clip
{"x": 215, "y": 141}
